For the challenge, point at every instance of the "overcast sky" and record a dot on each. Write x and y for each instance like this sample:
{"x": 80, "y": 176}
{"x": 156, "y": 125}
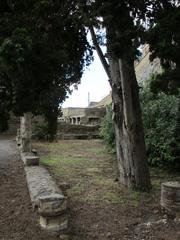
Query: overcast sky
{"x": 94, "y": 81}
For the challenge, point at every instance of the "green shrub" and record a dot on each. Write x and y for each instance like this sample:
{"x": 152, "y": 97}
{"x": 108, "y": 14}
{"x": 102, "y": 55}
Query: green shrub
{"x": 106, "y": 130}
{"x": 41, "y": 131}
{"x": 160, "y": 117}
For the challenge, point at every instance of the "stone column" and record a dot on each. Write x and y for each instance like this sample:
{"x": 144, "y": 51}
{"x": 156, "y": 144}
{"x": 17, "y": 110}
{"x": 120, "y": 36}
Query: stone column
{"x": 26, "y": 133}
{"x": 170, "y": 198}
{"x": 76, "y": 121}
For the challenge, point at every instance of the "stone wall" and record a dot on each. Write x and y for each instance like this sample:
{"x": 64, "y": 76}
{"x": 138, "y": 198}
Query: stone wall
{"x": 71, "y": 131}
{"x": 83, "y": 116}
{"x": 72, "y": 111}
{"x": 65, "y": 130}
{"x": 144, "y": 68}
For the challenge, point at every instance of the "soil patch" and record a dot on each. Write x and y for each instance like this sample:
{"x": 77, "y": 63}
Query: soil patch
{"x": 17, "y": 219}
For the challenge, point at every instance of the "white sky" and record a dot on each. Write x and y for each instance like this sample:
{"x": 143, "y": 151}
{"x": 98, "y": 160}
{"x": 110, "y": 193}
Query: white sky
{"x": 94, "y": 81}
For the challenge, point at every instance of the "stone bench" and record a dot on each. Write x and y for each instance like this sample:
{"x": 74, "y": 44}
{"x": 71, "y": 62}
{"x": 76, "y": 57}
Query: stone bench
{"x": 47, "y": 199}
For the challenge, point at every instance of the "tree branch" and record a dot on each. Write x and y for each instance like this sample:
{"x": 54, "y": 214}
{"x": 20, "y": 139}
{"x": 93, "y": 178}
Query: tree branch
{"x": 99, "y": 52}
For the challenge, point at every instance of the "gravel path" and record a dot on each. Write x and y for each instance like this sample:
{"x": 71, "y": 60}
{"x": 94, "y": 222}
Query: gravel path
{"x": 8, "y": 152}
{"x": 17, "y": 219}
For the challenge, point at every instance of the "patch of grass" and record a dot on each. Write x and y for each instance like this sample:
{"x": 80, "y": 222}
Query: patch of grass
{"x": 113, "y": 197}
{"x": 88, "y": 183}
{"x": 156, "y": 184}
{"x": 96, "y": 150}
{"x": 102, "y": 182}
{"x": 48, "y": 161}
{"x": 64, "y": 160}
{"x": 159, "y": 176}
{"x": 75, "y": 191}
{"x": 90, "y": 173}
{"x": 158, "y": 173}
{"x": 135, "y": 196}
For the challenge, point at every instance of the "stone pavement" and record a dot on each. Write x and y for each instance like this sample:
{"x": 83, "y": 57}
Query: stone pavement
{"x": 8, "y": 152}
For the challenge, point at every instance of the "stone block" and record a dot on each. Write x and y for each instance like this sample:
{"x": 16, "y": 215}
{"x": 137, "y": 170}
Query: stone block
{"x": 55, "y": 223}
{"x": 48, "y": 199}
{"x": 170, "y": 198}
{"x": 40, "y": 183}
{"x": 52, "y": 205}
{"x": 30, "y": 159}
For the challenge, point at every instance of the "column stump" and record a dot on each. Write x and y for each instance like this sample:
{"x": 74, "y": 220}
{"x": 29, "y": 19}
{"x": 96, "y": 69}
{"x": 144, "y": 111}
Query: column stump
{"x": 170, "y": 198}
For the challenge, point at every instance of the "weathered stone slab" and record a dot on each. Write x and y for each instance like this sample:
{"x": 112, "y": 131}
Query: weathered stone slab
{"x": 29, "y": 159}
{"x": 55, "y": 224}
{"x": 40, "y": 184}
{"x": 52, "y": 205}
{"x": 48, "y": 199}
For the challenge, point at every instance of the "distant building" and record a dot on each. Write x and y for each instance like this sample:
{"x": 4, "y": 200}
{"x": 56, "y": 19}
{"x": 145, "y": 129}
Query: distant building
{"x": 144, "y": 67}
{"x": 83, "y": 116}
{"x": 93, "y": 114}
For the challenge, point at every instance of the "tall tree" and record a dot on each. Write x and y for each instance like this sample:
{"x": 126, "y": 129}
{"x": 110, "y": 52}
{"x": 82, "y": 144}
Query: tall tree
{"x": 42, "y": 52}
{"x": 126, "y": 22}
{"x": 123, "y": 23}
{"x": 164, "y": 39}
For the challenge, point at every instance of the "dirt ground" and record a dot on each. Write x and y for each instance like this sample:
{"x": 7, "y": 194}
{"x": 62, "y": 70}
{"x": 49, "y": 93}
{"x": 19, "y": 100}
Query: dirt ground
{"x": 17, "y": 219}
{"x": 100, "y": 209}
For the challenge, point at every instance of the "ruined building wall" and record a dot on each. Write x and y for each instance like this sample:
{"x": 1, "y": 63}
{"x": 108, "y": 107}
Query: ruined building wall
{"x": 144, "y": 68}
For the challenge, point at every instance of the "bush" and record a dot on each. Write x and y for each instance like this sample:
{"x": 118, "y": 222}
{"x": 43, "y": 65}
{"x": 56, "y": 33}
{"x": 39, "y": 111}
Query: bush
{"x": 41, "y": 131}
{"x": 161, "y": 117}
{"x": 106, "y": 130}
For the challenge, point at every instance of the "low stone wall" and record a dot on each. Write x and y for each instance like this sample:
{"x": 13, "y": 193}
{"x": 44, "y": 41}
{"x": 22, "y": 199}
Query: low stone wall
{"x": 65, "y": 130}
{"x": 46, "y": 197}
{"x": 70, "y": 131}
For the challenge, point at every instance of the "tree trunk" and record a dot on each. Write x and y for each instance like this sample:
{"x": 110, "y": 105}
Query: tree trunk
{"x": 129, "y": 134}
{"x": 128, "y": 126}
{"x": 26, "y": 133}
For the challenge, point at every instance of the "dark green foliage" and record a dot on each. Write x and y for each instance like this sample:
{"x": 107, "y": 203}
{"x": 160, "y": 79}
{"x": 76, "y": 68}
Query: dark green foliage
{"x": 41, "y": 131}
{"x": 162, "y": 131}
{"x": 51, "y": 114}
{"x": 164, "y": 39}
{"x": 124, "y": 22}
{"x": 167, "y": 82}
{"x": 5, "y": 102}
{"x": 4, "y": 118}
{"x": 106, "y": 130}
{"x": 160, "y": 115}
{"x": 43, "y": 50}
